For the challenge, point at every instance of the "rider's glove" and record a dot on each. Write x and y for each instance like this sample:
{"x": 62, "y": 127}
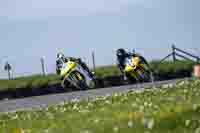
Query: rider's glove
{"x": 79, "y": 59}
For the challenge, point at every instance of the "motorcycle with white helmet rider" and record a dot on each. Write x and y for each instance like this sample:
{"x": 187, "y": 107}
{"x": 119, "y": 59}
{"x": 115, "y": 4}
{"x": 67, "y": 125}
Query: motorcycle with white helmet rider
{"x": 74, "y": 71}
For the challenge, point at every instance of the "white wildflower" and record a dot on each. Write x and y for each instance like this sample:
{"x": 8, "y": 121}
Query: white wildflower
{"x": 150, "y": 104}
{"x": 115, "y": 129}
{"x": 49, "y": 115}
{"x": 195, "y": 89}
{"x": 140, "y": 90}
{"x": 134, "y": 105}
{"x": 75, "y": 100}
{"x": 102, "y": 109}
{"x": 62, "y": 110}
{"x": 197, "y": 130}
{"x": 137, "y": 100}
{"x": 27, "y": 131}
{"x": 107, "y": 102}
{"x": 104, "y": 98}
{"x": 28, "y": 116}
{"x": 46, "y": 130}
{"x": 171, "y": 85}
{"x": 86, "y": 131}
{"x": 46, "y": 109}
{"x": 141, "y": 108}
{"x": 75, "y": 107}
{"x": 194, "y": 107}
{"x": 187, "y": 123}
{"x": 165, "y": 86}
{"x": 115, "y": 95}
{"x": 150, "y": 124}
{"x": 84, "y": 111}
{"x": 14, "y": 117}
{"x": 156, "y": 106}
{"x": 96, "y": 121}
{"x": 126, "y": 95}
{"x": 181, "y": 83}
{"x": 130, "y": 124}
{"x": 185, "y": 91}
{"x": 126, "y": 98}
{"x": 55, "y": 108}
{"x": 145, "y": 104}
{"x": 90, "y": 104}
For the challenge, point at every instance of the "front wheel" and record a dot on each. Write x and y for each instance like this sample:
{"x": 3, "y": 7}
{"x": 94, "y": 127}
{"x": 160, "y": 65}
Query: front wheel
{"x": 65, "y": 84}
{"x": 79, "y": 81}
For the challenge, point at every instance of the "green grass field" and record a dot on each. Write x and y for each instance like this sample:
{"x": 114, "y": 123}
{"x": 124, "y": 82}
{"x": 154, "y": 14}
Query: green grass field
{"x": 172, "y": 109}
{"x": 166, "y": 69}
{"x": 28, "y": 82}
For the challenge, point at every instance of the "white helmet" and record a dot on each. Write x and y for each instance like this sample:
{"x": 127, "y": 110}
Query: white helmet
{"x": 60, "y": 56}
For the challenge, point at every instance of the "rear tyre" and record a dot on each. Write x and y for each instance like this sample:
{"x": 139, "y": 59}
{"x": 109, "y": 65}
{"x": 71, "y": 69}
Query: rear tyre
{"x": 146, "y": 75}
{"x": 66, "y": 84}
{"x": 93, "y": 84}
{"x": 130, "y": 79}
{"x": 80, "y": 83}
{"x": 83, "y": 85}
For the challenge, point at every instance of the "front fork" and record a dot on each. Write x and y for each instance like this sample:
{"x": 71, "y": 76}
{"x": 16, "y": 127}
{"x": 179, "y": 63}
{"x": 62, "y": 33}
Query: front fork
{"x": 63, "y": 82}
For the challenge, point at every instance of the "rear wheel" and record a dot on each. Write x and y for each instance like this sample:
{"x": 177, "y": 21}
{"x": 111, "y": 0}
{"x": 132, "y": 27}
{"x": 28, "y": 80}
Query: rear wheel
{"x": 132, "y": 78}
{"x": 92, "y": 84}
{"x": 79, "y": 80}
{"x": 145, "y": 74}
{"x": 65, "y": 84}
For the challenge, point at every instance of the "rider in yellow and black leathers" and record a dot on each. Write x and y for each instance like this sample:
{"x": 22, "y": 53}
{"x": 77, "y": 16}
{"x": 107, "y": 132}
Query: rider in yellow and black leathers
{"x": 122, "y": 55}
{"x": 62, "y": 59}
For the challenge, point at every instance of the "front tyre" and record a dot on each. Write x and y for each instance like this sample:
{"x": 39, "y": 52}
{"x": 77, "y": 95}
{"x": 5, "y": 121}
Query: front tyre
{"x": 79, "y": 81}
{"x": 65, "y": 84}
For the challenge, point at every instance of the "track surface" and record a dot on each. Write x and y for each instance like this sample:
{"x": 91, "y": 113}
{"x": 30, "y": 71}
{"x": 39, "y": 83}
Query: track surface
{"x": 43, "y": 101}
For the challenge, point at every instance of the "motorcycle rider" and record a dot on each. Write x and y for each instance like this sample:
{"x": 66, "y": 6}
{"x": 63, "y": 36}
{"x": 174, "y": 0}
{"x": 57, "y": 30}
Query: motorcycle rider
{"x": 62, "y": 59}
{"x": 121, "y": 56}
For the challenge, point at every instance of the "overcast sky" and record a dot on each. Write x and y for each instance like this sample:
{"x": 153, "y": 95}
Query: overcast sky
{"x": 30, "y": 29}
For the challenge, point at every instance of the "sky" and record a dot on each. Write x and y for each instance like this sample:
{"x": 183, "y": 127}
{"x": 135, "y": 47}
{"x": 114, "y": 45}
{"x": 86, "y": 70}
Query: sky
{"x": 31, "y": 29}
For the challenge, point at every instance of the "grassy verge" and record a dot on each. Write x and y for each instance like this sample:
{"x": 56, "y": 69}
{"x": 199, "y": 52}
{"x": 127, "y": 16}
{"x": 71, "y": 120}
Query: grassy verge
{"x": 28, "y": 82}
{"x": 169, "y": 69}
{"x": 173, "y": 109}
{"x": 105, "y": 71}
{"x": 165, "y": 70}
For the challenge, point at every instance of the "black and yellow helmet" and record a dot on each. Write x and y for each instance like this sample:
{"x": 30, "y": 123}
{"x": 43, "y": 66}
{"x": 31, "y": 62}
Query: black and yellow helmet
{"x": 120, "y": 53}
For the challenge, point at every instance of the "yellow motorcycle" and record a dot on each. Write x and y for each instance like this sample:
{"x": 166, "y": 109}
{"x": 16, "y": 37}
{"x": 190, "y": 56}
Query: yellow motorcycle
{"x": 137, "y": 69}
{"x": 75, "y": 74}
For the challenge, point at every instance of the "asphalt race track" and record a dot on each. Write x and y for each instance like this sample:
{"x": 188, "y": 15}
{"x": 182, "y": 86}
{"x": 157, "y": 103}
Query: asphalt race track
{"x": 46, "y": 100}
